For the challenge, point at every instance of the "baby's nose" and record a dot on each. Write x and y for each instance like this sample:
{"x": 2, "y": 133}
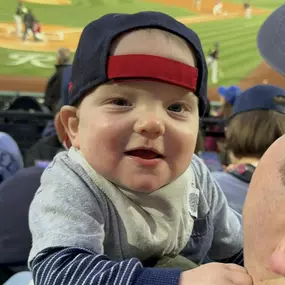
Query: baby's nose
{"x": 150, "y": 126}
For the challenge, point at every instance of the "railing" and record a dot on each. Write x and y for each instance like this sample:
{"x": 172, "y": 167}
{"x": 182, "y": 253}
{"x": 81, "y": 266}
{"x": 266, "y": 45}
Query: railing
{"x": 4, "y": 93}
{"x": 6, "y": 97}
{"x": 22, "y": 115}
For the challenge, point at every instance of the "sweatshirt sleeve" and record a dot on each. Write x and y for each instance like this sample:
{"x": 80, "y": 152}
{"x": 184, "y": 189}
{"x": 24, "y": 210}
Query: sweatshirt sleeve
{"x": 64, "y": 213}
{"x": 67, "y": 223}
{"x": 73, "y": 266}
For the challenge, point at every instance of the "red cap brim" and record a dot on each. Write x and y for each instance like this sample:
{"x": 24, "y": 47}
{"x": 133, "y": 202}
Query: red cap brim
{"x": 150, "y": 67}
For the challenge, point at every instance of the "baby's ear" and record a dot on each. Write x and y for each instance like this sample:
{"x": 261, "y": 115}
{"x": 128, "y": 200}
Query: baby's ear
{"x": 60, "y": 130}
{"x": 68, "y": 125}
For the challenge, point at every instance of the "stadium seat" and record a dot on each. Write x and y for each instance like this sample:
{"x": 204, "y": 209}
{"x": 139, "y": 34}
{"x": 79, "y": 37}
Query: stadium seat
{"x": 26, "y": 103}
{"x": 26, "y": 128}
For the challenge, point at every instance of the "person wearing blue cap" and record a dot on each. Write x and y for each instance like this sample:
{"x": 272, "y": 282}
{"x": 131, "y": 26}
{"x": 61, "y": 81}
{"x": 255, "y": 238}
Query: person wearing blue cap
{"x": 256, "y": 111}
{"x": 263, "y": 213}
{"x": 129, "y": 203}
{"x": 228, "y": 95}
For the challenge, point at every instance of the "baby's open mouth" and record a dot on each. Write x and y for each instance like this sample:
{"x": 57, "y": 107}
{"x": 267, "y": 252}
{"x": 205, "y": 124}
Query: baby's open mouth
{"x": 144, "y": 154}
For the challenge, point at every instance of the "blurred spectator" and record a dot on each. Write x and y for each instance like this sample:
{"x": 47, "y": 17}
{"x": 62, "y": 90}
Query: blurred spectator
{"x": 10, "y": 157}
{"x": 53, "y": 88}
{"x": 270, "y": 40}
{"x": 16, "y": 194}
{"x": 212, "y": 160}
{"x": 57, "y": 87}
{"x": 263, "y": 211}
{"x": 258, "y": 120}
{"x": 228, "y": 96}
{"x": 47, "y": 147}
{"x": 49, "y": 130}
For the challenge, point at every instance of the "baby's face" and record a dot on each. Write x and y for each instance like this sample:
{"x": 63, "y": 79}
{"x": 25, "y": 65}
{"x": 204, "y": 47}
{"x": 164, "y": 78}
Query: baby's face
{"x": 140, "y": 134}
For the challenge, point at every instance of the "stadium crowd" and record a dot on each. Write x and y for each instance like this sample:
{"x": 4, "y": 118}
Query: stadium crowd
{"x": 144, "y": 183}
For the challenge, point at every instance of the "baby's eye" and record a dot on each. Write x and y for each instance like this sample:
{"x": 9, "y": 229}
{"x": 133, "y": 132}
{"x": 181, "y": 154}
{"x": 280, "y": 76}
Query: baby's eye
{"x": 177, "y": 108}
{"x": 121, "y": 102}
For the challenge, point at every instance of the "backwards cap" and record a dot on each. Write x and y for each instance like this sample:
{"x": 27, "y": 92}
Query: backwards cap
{"x": 94, "y": 66}
{"x": 260, "y": 97}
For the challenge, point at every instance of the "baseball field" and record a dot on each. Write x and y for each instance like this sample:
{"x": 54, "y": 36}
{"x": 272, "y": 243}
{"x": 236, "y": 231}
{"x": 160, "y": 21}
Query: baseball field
{"x": 27, "y": 65}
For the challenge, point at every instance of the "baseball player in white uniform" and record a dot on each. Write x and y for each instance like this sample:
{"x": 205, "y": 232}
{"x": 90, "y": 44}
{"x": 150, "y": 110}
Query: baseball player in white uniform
{"x": 218, "y": 8}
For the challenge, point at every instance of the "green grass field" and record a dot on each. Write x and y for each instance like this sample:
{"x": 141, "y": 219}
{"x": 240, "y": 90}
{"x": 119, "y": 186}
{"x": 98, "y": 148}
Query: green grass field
{"x": 237, "y": 37}
{"x": 74, "y": 16}
{"x": 238, "y": 50}
{"x": 79, "y": 15}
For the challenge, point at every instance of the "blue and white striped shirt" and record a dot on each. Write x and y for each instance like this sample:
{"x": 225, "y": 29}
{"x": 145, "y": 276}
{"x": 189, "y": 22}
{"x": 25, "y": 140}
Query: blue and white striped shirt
{"x": 76, "y": 266}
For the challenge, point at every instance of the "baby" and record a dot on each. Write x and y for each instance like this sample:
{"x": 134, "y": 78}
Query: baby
{"x": 129, "y": 194}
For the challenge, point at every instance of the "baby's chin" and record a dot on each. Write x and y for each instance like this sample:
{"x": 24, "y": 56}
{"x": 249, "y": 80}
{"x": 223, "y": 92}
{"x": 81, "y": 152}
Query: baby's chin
{"x": 142, "y": 187}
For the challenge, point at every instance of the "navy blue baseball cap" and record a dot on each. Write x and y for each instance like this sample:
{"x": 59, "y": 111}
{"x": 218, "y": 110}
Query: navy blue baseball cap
{"x": 260, "y": 97}
{"x": 94, "y": 66}
{"x": 271, "y": 40}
